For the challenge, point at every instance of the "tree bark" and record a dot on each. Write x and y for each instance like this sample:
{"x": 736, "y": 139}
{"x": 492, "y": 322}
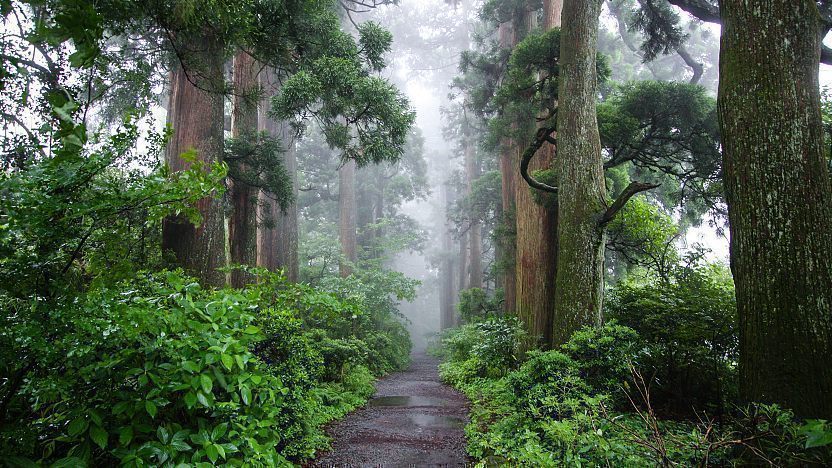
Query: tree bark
{"x": 277, "y": 231}
{"x": 581, "y": 189}
{"x": 779, "y": 201}
{"x": 242, "y": 228}
{"x": 348, "y": 213}
{"x": 537, "y": 236}
{"x": 196, "y": 116}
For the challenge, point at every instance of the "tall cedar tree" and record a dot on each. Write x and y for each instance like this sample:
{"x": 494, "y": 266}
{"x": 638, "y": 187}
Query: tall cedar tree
{"x": 195, "y": 112}
{"x": 581, "y": 189}
{"x": 779, "y": 201}
{"x": 537, "y": 235}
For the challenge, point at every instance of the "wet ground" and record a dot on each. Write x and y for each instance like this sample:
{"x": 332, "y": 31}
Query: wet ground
{"x": 413, "y": 420}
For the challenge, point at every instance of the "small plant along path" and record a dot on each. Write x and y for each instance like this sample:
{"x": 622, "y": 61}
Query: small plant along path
{"x": 413, "y": 420}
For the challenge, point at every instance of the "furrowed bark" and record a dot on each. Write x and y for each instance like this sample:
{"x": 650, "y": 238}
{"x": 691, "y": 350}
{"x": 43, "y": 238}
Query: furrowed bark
{"x": 779, "y": 201}
{"x": 196, "y": 117}
{"x": 581, "y": 188}
{"x": 537, "y": 235}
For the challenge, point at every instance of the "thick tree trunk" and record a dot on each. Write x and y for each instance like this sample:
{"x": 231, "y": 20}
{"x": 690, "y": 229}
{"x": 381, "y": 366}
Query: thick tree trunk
{"x": 348, "y": 213}
{"x": 779, "y": 202}
{"x": 537, "y": 236}
{"x": 277, "y": 231}
{"x": 581, "y": 190}
{"x": 242, "y": 228}
{"x": 196, "y": 116}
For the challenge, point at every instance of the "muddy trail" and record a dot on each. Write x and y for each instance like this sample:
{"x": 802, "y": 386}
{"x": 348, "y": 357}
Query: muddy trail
{"x": 412, "y": 420}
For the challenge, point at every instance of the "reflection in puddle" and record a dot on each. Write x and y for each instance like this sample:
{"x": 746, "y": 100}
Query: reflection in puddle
{"x": 406, "y": 401}
{"x": 429, "y": 420}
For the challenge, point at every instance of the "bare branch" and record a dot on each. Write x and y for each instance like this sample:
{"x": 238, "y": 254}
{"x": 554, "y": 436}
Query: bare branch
{"x": 543, "y": 135}
{"x": 628, "y": 193}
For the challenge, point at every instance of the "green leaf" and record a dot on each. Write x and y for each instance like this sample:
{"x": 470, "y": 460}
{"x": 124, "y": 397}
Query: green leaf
{"x": 191, "y": 366}
{"x": 240, "y": 363}
{"x": 221, "y": 450}
{"x": 245, "y": 393}
{"x": 206, "y": 383}
{"x": 203, "y": 400}
{"x": 150, "y": 407}
{"x": 181, "y": 446}
{"x": 190, "y": 399}
{"x": 219, "y": 431}
{"x": 251, "y": 330}
{"x": 125, "y": 435}
{"x": 227, "y": 361}
{"x": 77, "y": 426}
{"x": 99, "y": 436}
{"x": 212, "y": 453}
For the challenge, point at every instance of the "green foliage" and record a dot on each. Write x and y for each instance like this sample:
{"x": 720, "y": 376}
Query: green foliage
{"x": 688, "y": 326}
{"x": 668, "y": 132}
{"x": 645, "y": 236}
{"x": 257, "y": 161}
{"x": 489, "y": 348}
{"x": 556, "y": 410}
{"x": 475, "y": 305}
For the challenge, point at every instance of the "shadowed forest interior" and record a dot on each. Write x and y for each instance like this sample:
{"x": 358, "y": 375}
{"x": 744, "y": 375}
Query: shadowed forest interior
{"x": 224, "y": 223}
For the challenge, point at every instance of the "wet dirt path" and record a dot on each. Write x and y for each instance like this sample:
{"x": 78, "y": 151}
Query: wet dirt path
{"x": 412, "y": 420}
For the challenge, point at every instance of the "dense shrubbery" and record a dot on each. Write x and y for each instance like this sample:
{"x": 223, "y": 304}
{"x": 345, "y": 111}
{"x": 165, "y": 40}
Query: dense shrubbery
{"x": 591, "y": 402}
{"x": 158, "y": 370}
{"x": 688, "y": 327}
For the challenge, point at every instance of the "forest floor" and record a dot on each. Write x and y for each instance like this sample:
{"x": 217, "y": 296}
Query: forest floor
{"x": 412, "y": 420}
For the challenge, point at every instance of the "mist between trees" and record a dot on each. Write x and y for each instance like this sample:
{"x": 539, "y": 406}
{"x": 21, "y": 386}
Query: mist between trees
{"x": 221, "y": 221}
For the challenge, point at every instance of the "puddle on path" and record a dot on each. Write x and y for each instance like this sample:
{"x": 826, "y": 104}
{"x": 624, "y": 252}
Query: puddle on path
{"x": 432, "y": 421}
{"x": 406, "y": 401}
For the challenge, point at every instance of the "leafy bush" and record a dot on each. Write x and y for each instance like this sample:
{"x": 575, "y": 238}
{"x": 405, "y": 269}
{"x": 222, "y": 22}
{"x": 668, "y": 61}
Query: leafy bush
{"x": 489, "y": 348}
{"x": 689, "y": 334}
{"x": 475, "y": 305}
{"x": 158, "y": 371}
{"x": 161, "y": 371}
{"x": 605, "y": 355}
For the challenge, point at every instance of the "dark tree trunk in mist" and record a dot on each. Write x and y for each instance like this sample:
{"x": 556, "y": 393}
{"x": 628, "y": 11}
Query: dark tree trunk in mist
{"x": 779, "y": 202}
{"x": 537, "y": 236}
{"x": 472, "y": 172}
{"x": 348, "y": 213}
{"x": 446, "y": 268}
{"x": 196, "y": 116}
{"x": 277, "y": 233}
{"x": 242, "y": 227}
{"x": 462, "y": 280}
{"x": 581, "y": 189}
{"x": 508, "y": 170}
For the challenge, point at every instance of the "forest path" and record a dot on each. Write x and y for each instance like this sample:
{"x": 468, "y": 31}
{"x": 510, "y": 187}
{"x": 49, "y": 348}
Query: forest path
{"x": 412, "y": 420}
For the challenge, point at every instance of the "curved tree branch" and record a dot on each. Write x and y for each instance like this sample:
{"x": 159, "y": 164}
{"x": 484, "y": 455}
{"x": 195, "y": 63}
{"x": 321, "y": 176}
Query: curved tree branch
{"x": 626, "y": 195}
{"x": 542, "y": 136}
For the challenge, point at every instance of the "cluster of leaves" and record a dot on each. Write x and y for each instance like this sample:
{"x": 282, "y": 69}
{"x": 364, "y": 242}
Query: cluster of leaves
{"x": 476, "y": 305}
{"x": 593, "y": 401}
{"x": 688, "y": 325}
{"x": 157, "y": 370}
